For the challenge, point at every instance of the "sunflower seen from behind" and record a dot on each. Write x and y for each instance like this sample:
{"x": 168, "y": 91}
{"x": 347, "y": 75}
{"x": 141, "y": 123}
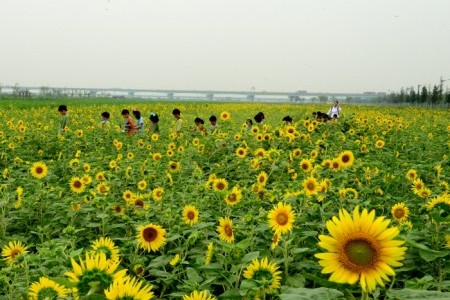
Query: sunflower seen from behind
{"x": 47, "y": 289}
{"x": 95, "y": 268}
{"x": 39, "y": 170}
{"x": 196, "y": 295}
{"x": 12, "y": 251}
{"x": 151, "y": 237}
{"x": 281, "y": 218}
{"x": 129, "y": 288}
{"x": 107, "y": 246}
{"x": 360, "y": 248}
{"x": 265, "y": 274}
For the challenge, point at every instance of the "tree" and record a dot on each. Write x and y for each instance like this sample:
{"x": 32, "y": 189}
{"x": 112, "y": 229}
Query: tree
{"x": 435, "y": 95}
{"x": 424, "y": 95}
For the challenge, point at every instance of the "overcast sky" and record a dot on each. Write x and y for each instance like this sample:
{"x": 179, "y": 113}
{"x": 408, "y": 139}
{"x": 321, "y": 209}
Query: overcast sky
{"x": 272, "y": 45}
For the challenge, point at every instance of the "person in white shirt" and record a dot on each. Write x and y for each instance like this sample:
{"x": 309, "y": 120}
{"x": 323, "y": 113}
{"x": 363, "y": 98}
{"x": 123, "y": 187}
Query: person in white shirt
{"x": 335, "y": 110}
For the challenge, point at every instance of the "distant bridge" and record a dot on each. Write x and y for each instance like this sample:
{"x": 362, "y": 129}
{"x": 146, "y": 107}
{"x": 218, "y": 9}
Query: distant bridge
{"x": 170, "y": 93}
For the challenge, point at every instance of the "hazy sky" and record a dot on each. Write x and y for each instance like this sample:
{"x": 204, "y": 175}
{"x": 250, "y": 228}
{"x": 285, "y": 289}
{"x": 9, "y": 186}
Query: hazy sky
{"x": 273, "y": 45}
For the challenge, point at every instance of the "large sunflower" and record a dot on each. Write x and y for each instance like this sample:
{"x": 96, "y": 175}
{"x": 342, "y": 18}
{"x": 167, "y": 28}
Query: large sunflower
{"x": 157, "y": 194}
{"x": 225, "y": 230}
{"x": 96, "y": 268}
{"x": 77, "y": 185}
{"x": 400, "y": 212}
{"x": 11, "y": 251}
{"x": 265, "y": 273}
{"x": 190, "y": 215}
{"x": 305, "y": 165}
{"x": 281, "y": 218}
{"x": 128, "y": 288}
{"x": 174, "y": 166}
{"x": 234, "y": 196}
{"x": 241, "y": 152}
{"x": 151, "y": 237}
{"x": 47, "y": 289}
{"x": 107, "y": 246}
{"x": 346, "y": 159}
{"x": 39, "y": 170}
{"x": 195, "y": 295}
{"x": 220, "y": 185}
{"x": 360, "y": 248}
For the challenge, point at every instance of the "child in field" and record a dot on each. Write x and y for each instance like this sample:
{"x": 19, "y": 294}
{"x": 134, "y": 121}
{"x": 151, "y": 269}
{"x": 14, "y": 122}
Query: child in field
{"x": 105, "y": 120}
{"x": 65, "y": 118}
{"x": 199, "y": 125}
{"x": 287, "y": 120}
{"x": 128, "y": 126}
{"x": 139, "y": 121}
{"x": 154, "y": 126}
{"x": 178, "y": 121}
{"x": 249, "y": 123}
{"x": 213, "y": 126}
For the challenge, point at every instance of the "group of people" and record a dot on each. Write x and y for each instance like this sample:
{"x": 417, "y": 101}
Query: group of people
{"x": 137, "y": 125}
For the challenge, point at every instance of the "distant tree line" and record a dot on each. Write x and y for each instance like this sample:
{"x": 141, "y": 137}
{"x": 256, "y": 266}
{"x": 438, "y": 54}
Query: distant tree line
{"x": 423, "y": 96}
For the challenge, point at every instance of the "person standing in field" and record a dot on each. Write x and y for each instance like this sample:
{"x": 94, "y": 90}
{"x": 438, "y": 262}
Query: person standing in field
{"x": 213, "y": 121}
{"x": 334, "y": 110}
{"x": 177, "y": 127}
{"x": 128, "y": 126}
{"x": 199, "y": 126}
{"x": 105, "y": 120}
{"x": 139, "y": 121}
{"x": 154, "y": 126}
{"x": 65, "y": 118}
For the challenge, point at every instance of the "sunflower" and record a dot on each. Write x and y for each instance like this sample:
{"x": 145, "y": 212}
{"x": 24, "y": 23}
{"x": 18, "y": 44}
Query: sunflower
{"x": 195, "y": 295}
{"x": 47, "y": 289}
{"x": 117, "y": 208}
{"x": 241, "y": 152}
{"x": 86, "y": 179}
{"x": 281, "y": 218}
{"x": 155, "y": 137}
{"x": 360, "y": 248}
{"x": 100, "y": 176}
{"x": 151, "y": 237}
{"x": 311, "y": 186}
{"x": 275, "y": 240}
{"x": 112, "y": 164}
{"x": 224, "y": 116}
{"x": 175, "y": 260}
{"x": 335, "y": 165}
{"x": 77, "y": 185}
{"x": 424, "y": 192}
{"x": 363, "y": 148}
{"x": 225, "y": 230}
{"x": 12, "y": 251}
{"x": 417, "y": 185}
{"x": 220, "y": 185}
{"x": 305, "y": 165}
{"x": 87, "y": 167}
{"x": 262, "y": 178}
{"x": 130, "y": 155}
{"x": 129, "y": 288}
{"x": 346, "y": 159}
{"x": 400, "y": 212}
{"x": 79, "y": 133}
{"x": 174, "y": 166}
{"x": 157, "y": 194}
{"x": 38, "y": 170}
{"x": 379, "y": 144}
{"x": 95, "y": 268}
{"x": 107, "y": 246}
{"x": 209, "y": 253}
{"x": 260, "y": 153}
{"x": 190, "y": 215}
{"x": 102, "y": 188}
{"x": 234, "y": 196}
{"x": 411, "y": 174}
{"x": 314, "y": 153}
{"x": 128, "y": 196}
{"x": 142, "y": 185}
{"x": 265, "y": 274}
{"x": 156, "y": 156}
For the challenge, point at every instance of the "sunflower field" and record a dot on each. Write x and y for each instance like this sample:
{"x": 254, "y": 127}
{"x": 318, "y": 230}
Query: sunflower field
{"x": 348, "y": 209}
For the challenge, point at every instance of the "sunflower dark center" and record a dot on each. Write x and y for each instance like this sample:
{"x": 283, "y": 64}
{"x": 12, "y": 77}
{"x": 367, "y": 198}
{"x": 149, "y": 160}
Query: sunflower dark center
{"x": 311, "y": 186}
{"x": 39, "y": 170}
{"x": 150, "y": 234}
{"x": 77, "y": 184}
{"x": 262, "y": 179}
{"x": 282, "y": 218}
{"x": 305, "y": 166}
{"x": 232, "y": 197}
{"x": 360, "y": 252}
{"x": 191, "y": 215}
{"x": 228, "y": 230}
{"x": 14, "y": 253}
{"x": 345, "y": 158}
{"x": 139, "y": 202}
{"x": 220, "y": 186}
{"x": 399, "y": 213}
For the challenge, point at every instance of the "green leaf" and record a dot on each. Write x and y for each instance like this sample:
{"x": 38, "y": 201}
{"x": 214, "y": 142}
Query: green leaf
{"x": 407, "y": 294}
{"x": 193, "y": 275}
{"x": 430, "y": 255}
{"x": 311, "y": 294}
{"x": 249, "y": 257}
{"x": 299, "y": 250}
